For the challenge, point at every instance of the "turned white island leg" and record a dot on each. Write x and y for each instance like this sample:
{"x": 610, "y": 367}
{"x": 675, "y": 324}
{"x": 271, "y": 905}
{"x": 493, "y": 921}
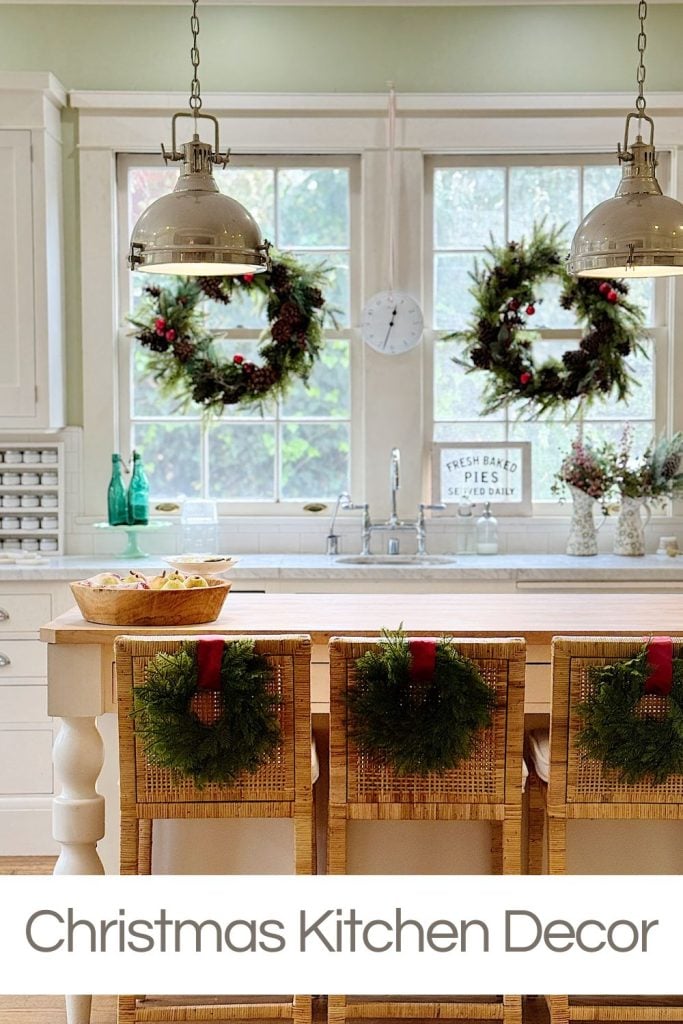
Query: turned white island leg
{"x": 75, "y": 696}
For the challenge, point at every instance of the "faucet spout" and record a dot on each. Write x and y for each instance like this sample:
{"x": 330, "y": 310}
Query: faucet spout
{"x": 395, "y": 482}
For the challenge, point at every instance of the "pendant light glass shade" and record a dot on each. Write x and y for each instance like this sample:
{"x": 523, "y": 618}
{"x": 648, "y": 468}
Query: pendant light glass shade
{"x": 196, "y": 229}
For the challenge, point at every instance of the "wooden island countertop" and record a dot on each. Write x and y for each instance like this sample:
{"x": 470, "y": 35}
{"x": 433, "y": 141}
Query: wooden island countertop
{"x": 536, "y": 617}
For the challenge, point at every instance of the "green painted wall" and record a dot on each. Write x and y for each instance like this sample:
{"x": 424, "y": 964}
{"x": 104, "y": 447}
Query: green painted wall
{"x": 568, "y": 48}
{"x": 421, "y": 48}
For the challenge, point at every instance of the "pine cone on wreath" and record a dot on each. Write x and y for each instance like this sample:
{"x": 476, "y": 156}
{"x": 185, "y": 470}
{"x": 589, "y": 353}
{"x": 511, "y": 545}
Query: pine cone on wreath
{"x": 575, "y": 359}
{"x": 183, "y": 350}
{"x": 591, "y": 344}
{"x": 212, "y": 287}
{"x": 624, "y": 348}
{"x": 279, "y": 278}
{"x": 481, "y": 357}
{"x": 263, "y": 378}
{"x": 281, "y": 331}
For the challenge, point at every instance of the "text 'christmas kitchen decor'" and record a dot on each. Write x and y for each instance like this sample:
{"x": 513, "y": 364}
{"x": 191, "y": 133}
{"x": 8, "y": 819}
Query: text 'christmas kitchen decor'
{"x": 208, "y": 712}
{"x": 501, "y": 337}
{"x": 633, "y": 715}
{"x": 417, "y": 705}
{"x": 184, "y": 359}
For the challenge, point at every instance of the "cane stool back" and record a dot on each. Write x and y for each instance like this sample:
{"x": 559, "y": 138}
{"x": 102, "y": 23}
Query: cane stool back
{"x": 580, "y": 787}
{"x": 487, "y": 786}
{"x": 281, "y": 788}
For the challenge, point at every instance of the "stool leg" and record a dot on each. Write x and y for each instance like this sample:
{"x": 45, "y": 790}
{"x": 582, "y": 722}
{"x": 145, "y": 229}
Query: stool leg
{"x": 336, "y": 841}
{"x": 512, "y": 1009}
{"x": 336, "y": 1009}
{"x": 145, "y": 846}
{"x": 559, "y": 1009}
{"x": 304, "y": 842}
{"x": 130, "y": 844}
{"x": 512, "y": 841}
{"x": 496, "y": 847}
{"x": 125, "y": 1010}
{"x": 536, "y": 824}
{"x": 557, "y": 845}
{"x": 303, "y": 1010}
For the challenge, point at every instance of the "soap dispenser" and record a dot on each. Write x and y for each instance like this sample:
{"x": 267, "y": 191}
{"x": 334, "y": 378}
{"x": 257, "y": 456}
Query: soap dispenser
{"x": 465, "y": 529}
{"x": 487, "y": 532}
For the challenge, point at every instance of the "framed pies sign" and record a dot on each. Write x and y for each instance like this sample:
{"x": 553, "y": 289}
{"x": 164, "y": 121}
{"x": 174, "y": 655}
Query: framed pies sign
{"x": 481, "y": 471}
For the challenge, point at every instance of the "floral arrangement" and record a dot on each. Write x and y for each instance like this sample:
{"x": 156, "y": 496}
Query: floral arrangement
{"x": 608, "y": 470}
{"x": 656, "y": 474}
{"x": 587, "y": 468}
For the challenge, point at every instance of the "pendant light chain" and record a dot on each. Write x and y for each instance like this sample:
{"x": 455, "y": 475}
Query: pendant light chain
{"x": 642, "y": 43}
{"x": 195, "y": 89}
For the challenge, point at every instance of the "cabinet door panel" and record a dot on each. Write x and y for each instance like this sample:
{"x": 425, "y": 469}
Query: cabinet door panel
{"x": 17, "y": 365}
{"x": 25, "y": 761}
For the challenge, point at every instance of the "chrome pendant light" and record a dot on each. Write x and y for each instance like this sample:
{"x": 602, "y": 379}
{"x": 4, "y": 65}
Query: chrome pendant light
{"x": 638, "y": 233}
{"x": 196, "y": 230}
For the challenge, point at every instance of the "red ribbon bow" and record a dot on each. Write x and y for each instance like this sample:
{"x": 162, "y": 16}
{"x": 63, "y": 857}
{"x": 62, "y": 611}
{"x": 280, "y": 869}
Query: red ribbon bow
{"x": 422, "y": 660}
{"x": 660, "y": 653}
{"x": 209, "y": 659}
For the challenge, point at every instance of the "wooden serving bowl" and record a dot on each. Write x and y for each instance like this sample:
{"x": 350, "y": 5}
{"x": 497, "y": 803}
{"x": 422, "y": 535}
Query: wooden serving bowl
{"x": 113, "y": 607}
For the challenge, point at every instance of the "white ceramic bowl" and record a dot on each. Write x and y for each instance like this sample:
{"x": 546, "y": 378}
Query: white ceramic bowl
{"x": 201, "y": 564}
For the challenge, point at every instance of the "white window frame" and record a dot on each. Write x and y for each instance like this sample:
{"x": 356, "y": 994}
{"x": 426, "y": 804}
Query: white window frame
{"x": 394, "y": 394}
{"x": 126, "y": 342}
{"x": 660, "y": 333}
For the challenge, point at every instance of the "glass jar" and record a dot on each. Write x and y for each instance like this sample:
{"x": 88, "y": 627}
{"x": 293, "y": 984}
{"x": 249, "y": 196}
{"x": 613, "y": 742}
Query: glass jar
{"x": 48, "y": 456}
{"x": 31, "y": 456}
{"x": 30, "y": 523}
{"x": 465, "y": 529}
{"x": 30, "y": 479}
{"x": 30, "y": 501}
{"x": 487, "y": 532}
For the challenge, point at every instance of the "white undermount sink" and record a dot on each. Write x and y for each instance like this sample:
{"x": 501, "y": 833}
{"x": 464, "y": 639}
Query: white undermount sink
{"x": 396, "y": 560}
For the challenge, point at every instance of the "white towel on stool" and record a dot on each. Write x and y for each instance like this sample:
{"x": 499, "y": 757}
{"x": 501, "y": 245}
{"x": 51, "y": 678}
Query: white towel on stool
{"x": 539, "y": 743}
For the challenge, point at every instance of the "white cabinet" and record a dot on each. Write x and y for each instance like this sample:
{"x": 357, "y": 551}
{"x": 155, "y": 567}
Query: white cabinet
{"x": 31, "y": 256}
{"x": 26, "y": 731}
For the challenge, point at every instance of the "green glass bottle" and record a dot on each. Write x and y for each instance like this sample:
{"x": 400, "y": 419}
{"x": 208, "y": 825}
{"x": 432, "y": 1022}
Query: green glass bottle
{"x": 117, "y": 503}
{"x": 138, "y": 494}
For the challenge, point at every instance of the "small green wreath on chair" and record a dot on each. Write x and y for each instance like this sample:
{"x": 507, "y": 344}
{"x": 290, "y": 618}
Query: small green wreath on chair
{"x": 242, "y": 739}
{"x": 415, "y": 708}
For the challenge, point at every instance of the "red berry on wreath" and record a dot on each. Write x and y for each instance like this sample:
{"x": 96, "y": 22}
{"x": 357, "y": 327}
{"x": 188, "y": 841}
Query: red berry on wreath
{"x": 514, "y": 304}
{"x": 525, "y": 377}
{"x": 530, "y": 310}
{"x": 605, "y": 287}
{"x": 247, "y": 278}
{"x": 248, "y": 367}
{"x": 170, "y": 334}
{"x": 237, "y": 358}
{"x": 160, "y": 324}
{"x": 612, "y": 296}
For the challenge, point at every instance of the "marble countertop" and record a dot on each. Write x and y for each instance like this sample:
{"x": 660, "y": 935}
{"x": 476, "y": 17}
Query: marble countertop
{"x": 520, "y": 568}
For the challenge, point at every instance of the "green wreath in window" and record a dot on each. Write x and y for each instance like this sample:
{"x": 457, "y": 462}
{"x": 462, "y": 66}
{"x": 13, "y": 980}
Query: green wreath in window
{"x": 184, "y": 359}
{"x": 499, "y": 340}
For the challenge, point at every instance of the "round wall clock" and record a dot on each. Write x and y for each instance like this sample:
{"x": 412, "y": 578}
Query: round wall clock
{"x": 392, "y": 323}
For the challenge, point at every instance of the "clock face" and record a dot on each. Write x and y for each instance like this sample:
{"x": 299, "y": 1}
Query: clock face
{"x": 392, "y": 323}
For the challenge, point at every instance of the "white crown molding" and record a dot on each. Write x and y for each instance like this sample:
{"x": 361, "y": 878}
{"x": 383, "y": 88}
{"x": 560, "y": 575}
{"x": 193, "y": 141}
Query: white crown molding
{"x": 43, "y": 82}
{"x": 372, "y": 104}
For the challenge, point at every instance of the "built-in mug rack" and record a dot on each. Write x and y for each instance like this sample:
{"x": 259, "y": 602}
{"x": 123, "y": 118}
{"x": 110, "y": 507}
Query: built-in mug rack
{"x": 32, "y": 497}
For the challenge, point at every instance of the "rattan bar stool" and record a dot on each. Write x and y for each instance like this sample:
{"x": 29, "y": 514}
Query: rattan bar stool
{"x": 486, "y": 787}
{"x": 577, "y": 787}
{"x": 280, "y": 789}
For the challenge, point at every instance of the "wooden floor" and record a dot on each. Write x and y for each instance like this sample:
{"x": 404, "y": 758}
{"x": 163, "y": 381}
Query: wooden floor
{"x": 50, "y": 1009}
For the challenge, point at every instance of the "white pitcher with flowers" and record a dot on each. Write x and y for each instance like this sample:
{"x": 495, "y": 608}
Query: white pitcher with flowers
{"x": 585, "y": 472}
{"x": 640, "y": 481}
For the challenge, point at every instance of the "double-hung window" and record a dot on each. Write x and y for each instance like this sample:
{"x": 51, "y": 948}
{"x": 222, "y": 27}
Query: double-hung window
{"x": 294, "y": 450}
{"x": 473, "y": 200}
